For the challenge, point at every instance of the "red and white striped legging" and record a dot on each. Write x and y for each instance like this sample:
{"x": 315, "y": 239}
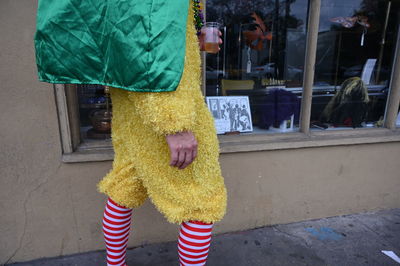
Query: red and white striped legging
{"x": 194, "y": 238}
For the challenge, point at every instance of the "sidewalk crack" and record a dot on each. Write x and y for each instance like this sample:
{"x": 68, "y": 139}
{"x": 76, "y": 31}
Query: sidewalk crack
{"x": 302, "y": 240}
{"x": 373, "y": 231}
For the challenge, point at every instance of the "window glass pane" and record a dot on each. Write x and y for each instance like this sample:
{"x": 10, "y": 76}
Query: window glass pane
{"x": 356, "y": 45}
{"x": 262, "y": 58}
{"x": 398, "y": 119}
{"x": 95, "y": 110}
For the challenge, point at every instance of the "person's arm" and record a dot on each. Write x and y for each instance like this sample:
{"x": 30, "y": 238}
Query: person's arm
{"x": 171, "y": 114}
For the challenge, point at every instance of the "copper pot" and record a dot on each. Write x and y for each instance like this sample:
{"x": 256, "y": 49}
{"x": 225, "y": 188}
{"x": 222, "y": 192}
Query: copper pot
{"x": 101, "y": 120}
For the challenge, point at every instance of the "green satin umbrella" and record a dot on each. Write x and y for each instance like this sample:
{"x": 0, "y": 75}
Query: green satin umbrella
{"x": 137, "y": 45}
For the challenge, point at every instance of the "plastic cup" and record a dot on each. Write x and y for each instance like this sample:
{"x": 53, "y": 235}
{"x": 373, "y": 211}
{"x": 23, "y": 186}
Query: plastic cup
{"x": 211, "y": 39}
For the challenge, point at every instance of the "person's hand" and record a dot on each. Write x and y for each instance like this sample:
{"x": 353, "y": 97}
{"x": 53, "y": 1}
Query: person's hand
{"x": 183, "y": 148}
{"x": 202, "y": 38}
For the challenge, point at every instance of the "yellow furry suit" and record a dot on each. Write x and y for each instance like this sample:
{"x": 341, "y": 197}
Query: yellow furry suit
{"x": 141, "y": 120}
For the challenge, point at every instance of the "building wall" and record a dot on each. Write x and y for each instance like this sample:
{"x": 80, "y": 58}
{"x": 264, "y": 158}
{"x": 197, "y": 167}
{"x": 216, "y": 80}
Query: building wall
{"x": 50, "y": 208}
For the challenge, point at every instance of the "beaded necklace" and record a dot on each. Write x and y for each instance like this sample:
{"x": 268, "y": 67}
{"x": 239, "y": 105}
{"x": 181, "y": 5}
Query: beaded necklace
{"x": 198, "y": 16}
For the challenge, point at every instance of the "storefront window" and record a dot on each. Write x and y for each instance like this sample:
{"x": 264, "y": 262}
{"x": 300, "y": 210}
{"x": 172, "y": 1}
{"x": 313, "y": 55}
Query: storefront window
{"x": 261, "y": 59}
{"x": 254, "y": 84}
{"x": 356, "y": 46}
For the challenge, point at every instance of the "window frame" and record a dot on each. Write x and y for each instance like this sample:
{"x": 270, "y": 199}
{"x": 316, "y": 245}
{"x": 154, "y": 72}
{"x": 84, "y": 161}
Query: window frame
{"x": 74, "y": 151}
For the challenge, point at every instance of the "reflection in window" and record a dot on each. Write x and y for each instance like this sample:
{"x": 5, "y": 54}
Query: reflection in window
{"x": 355, "y": 53}
{"x": 262, "y": 58}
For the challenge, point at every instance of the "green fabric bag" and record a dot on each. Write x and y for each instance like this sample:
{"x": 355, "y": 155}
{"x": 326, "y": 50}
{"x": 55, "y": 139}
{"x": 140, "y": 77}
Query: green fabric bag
{"x": 137, "y": 45}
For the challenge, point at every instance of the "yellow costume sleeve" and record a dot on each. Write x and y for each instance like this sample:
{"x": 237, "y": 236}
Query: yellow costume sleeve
{"x": 166, "y": 112}
{"x": 175, "y": 111}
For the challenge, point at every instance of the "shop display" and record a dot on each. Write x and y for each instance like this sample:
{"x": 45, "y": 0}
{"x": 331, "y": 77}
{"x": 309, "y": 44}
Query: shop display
{"x": 256, "y": 32}
{"x": 277, "y": 108}
{"x": 95, "y": 111}
{"x": 349, "y": 22}
{"x": 101, "y": 120}
{"x": 264, "y": 50}
{"x": 349, "y": 106}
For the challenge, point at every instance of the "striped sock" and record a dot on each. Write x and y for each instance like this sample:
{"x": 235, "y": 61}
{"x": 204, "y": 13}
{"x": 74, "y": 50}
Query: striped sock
{"x": 116, "y": 227}
{"x": 194, "y": 243}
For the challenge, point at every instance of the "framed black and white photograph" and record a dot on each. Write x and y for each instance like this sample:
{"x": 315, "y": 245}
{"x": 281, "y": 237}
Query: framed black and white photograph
{"x": 231, "y": 113}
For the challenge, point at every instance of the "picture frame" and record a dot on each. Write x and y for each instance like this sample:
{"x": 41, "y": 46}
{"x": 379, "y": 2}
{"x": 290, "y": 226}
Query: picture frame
{"x": 231, "y": 113}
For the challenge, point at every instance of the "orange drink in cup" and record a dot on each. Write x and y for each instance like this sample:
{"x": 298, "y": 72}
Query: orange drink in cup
{"x": 211, "y": 44}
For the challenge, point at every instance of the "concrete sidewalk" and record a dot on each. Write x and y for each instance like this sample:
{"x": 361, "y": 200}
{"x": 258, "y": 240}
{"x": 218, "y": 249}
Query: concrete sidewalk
{"x": 345, "y": 240}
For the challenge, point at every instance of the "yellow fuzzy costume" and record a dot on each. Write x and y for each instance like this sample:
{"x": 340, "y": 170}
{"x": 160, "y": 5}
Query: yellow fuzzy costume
{"x": 141, "y": 120}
